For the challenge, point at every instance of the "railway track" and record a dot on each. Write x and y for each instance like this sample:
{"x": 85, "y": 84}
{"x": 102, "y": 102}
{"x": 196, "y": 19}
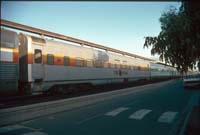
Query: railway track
{"x": 7, "y": 102}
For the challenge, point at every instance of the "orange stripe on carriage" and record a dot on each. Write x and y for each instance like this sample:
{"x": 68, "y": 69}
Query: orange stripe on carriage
{"x": 109, "y": 65}
{"x": 71, "y": 61}
{"x": 30, "y": 58}
{"x": 44, "y": 56}
{"x": 84, "y": 63}
{"x": 58, "y": 60}
{"x": 15, "y": 56}
{"x": 94, "y": 63}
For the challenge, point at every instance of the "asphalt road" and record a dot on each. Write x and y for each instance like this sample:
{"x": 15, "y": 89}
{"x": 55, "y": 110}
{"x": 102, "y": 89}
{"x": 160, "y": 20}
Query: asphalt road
{"x": 155, "y": 111}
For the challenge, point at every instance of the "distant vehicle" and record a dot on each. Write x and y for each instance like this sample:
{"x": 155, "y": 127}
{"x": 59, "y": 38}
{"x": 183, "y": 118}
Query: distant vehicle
{"x": 191, "y": 81}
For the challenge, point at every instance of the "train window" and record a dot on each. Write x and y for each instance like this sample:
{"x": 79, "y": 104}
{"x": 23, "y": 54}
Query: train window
{"x": 79, "y": 62}
{"x": 50, "y": 59}
{"x": 124, "y": 66}
{"x": 154, "y": 69}
{"x": 142, "y": 68}
{"x": 105, "y": 65}
{"x": 89, "y": 63}
{"x": 112, "y": 65}
{"x": 38, "y": 56}
{"x": 98, "y": 63}
{"x": 66, "y": 60}
{"x": 115, "y": 65}
{"x": 118, "y": 66}
{"x": 8, "y": 39}
{"x": 117, "y": 60}
{"x": 37, "y": 40}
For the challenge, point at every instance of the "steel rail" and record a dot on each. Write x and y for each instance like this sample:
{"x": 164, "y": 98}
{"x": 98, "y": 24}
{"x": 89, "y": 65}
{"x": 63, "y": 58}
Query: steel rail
{"x": 66, "y": 38}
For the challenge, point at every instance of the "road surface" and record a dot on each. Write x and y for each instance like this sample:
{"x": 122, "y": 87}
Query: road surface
{"x": 155, "y": 111}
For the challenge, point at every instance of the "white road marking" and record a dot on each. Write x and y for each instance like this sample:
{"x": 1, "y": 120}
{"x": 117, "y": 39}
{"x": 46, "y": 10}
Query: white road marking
{"x": 116, "y": 111}
{"x": 100, "y": 114}
{"x": 34, "y": 133}
{"x": 10, "y": 128}
{"x": 90, "y": 118}
{"x": 139, "y": 114}
{"x": 167, "y": 117}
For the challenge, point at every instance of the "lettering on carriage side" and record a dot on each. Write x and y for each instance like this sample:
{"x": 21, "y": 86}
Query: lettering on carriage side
{"x": 116, "y": 72}
{"x": 124, "y": 72}
{"x": 120, "y": 72}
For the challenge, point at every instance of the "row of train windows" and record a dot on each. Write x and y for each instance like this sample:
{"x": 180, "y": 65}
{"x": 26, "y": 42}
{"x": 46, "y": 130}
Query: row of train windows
{"x": 50, "y": 60}
{"x": 162, "y": 70}
{"x": 80, "y": 62}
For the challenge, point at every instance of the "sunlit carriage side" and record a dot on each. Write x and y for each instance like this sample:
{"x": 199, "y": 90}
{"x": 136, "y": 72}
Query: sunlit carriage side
{"x": 56, "y": 63}
{"x": 45, "y": 64}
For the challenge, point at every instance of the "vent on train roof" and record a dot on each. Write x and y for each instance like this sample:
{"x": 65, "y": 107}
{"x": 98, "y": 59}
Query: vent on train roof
{"x": 38, "y": 40}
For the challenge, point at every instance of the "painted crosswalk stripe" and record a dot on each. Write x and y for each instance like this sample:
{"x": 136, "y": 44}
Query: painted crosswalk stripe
{"x": 35, "y": 133}
{"x": 167, "y": 117}
{"x": 139, "y": 114}
{"x": 116, "y": 111}
{"x": 10, "y": 128}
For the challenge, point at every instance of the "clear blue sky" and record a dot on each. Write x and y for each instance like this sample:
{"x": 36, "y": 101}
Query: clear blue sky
{"x": 120, "y": 25}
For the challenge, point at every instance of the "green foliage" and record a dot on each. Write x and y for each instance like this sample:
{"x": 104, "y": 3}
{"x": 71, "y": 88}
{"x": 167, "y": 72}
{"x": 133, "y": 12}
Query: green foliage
{"x": 178, "y": 43}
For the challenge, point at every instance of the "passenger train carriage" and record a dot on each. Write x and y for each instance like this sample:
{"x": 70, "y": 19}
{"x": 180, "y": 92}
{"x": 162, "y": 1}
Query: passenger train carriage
{"x": 33, "y": 65}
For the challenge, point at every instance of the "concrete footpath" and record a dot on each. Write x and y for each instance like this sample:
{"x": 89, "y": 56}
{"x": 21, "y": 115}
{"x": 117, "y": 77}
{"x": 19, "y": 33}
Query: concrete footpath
{"x": 193, "y": 124}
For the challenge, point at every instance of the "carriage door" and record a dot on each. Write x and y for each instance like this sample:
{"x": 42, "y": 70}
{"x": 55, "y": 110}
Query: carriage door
{"x": 38, "y": 66}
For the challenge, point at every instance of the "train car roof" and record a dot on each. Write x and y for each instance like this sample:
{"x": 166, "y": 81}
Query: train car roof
{"x": 66, "y": 38}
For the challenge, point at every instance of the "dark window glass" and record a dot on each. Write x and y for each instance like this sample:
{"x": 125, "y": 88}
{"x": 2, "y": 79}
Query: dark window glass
{"x": 79, "y": 62}
{"x": 154, "y": 69}
{"x": 66, "y": 60}
{"x": 123, "y": 66}
{"x": 50, "y": 59}
{"x": 89, "y": 63}
{"x": 105, "y": 65}
{"x": 38, "y": 56}
{"x": 8, "y": 39}
{"x": 98, "y": 63}
{"x": 112, "y": 65}
{"x": 118, "y": 66}
{"x": 37, "y": 39}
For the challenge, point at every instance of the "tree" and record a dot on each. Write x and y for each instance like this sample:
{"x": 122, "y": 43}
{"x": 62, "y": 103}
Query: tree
{"x": 178, "y": 43}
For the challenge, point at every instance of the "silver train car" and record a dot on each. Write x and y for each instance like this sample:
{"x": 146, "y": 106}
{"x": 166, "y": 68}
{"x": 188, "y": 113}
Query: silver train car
{"x": 33, "y": 65}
